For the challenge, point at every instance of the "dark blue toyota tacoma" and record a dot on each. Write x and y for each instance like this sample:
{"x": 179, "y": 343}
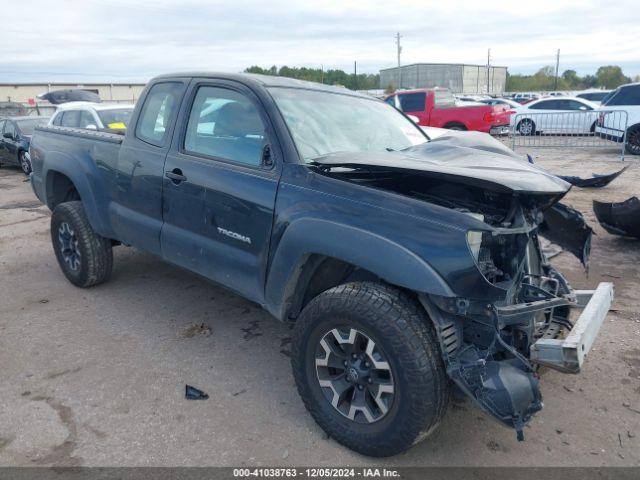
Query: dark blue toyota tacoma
{"x": 407, "y": 265}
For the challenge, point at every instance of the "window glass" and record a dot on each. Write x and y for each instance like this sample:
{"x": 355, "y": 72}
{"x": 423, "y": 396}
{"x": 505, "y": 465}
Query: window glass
{"x": 70, "y": 118}
{"x": 573, "y": 105}
{"x": 158, "y": 109}
{"x": 10, "y": 128}
{"x": 546, "y": 105}
{"x": 58, "y": 119}
{"x": 593, "y": 96}
{"x": 444, "y": 99}
{"x": 1, "y": 126}
{"x": 391, "y": 101}
{"x": 86, "y": 119}
{"x": 626, "y": 96}
{"x": 117, "y": 118}
{"x": 225, "y": 124}
{"x": 412, "y": 102}
{"x": 325, "y": 123}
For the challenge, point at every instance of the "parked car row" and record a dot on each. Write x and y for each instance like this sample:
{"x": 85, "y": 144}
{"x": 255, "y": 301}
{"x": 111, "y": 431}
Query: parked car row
{"x": 15, "y": 137}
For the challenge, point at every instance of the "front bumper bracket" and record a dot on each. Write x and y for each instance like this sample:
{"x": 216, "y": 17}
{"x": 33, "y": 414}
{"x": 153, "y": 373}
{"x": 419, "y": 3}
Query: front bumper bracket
{"x": 567, "y": 355}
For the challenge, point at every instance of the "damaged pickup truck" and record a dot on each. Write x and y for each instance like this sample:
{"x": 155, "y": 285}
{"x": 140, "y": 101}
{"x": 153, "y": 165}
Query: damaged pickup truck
{"x": 407, "y": 266}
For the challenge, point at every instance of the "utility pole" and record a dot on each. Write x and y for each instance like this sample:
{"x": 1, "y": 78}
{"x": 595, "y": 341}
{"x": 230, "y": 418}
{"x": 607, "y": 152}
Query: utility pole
{"x": 322, "y": 73}
{"x": 355, "y": 75}
{"x": 398, "y": 37}
{"x": 555, "y": 86}
{"x": 488, "y": 70}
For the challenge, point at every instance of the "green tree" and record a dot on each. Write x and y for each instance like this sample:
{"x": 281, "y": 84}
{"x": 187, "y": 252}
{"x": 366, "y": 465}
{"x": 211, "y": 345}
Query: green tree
{"x": 611, "y": 76}
{"x": 571, "y": 78}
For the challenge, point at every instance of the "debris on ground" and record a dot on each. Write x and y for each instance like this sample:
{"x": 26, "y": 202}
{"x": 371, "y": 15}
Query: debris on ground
{"x": 199, "y": 329}
{"x": 192, "y": 393}
{"x": 621, "y": 218}
{"x": 596, "y": 180}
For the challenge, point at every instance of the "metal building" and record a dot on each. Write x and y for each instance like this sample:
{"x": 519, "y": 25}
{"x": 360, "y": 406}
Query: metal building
{"x": 457, "y": 77}
{"x": 28, "y": 92}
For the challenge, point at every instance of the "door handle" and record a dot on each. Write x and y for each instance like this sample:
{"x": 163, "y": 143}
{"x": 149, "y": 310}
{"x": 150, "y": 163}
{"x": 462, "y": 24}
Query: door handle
{"x": 175, "y": 176}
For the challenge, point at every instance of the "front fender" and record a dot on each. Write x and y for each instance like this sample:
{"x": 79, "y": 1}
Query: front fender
{"x": 388, "y": 260}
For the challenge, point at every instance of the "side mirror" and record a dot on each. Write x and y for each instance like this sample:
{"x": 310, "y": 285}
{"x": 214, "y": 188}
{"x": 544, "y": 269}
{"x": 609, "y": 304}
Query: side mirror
{"x": 8, "y": 135}
{"x": 414, "y": 119}
{"x": 91, "y": 126}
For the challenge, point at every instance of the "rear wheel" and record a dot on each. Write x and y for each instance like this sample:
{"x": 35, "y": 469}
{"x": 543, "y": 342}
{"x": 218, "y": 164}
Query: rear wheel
{"x": 368, "y": 368}
{"x": 85, "y": 257}
{"x": 633, "y": 140}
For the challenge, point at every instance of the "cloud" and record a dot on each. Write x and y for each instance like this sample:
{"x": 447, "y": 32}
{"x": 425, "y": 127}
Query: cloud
{"x": 133, "y": 40}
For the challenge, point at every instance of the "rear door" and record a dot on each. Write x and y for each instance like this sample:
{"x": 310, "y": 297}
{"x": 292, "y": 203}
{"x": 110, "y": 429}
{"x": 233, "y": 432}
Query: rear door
{"x": 220, "y": 187}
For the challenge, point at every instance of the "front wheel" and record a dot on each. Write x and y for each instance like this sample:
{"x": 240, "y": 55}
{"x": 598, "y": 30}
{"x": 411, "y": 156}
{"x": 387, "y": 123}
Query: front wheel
{"x": 25, "y": 162}
{"x": 633, "y": 140}
{"x": 368, "y": 368}
{"x": 85, "y": 257}
{"x": 526, "y": 127}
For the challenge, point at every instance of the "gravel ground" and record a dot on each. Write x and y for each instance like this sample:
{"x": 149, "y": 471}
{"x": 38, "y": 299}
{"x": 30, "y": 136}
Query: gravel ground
{"x": 96, "y": 377}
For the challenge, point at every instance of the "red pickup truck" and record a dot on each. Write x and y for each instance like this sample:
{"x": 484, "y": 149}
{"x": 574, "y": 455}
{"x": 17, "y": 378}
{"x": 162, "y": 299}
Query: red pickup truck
{"x": 436, "y": 107}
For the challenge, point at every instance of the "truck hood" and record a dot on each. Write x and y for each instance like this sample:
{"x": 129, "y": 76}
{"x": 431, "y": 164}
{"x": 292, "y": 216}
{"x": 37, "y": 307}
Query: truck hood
{"x": 471, "y": 157}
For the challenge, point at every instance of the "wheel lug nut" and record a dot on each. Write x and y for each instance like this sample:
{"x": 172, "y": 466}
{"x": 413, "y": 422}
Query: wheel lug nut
{"x": 366, "y": 364}
{"x": 354, "y": 356}
{"x": 359, "y": 387}
{"x": 369, "y": 380}
{"x": 345, "y": 363}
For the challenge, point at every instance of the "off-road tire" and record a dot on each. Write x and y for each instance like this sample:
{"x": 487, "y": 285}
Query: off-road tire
{"x": 401, "y": 327}
{"x": 633, "y": 140}
{"x": 96, "y": 256}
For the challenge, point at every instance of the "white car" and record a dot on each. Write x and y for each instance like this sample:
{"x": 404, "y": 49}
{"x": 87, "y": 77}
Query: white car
{"x": 92, "y": 116}
{"x": 501, "y": 101}
{"x": 555, "y": 115}
{"x": 626, "y": 98}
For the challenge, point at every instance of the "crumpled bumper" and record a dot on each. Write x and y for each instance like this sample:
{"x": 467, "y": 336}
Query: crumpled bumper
{"x": 568, "y": 354}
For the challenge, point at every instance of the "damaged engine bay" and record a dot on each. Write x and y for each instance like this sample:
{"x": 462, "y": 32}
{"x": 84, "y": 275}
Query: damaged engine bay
{"x": 487, "y": 345}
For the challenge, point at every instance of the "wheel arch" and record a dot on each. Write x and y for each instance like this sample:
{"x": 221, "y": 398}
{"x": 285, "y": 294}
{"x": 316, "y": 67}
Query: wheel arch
{"x": 315, "y": 255}
{"x": 455, "y": 124}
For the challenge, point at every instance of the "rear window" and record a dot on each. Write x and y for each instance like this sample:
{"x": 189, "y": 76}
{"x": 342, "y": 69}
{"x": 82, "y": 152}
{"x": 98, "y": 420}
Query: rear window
{"x": 444, "y": 99}
{"x": 413, "y": 102}
{"x": 593, "y": 96}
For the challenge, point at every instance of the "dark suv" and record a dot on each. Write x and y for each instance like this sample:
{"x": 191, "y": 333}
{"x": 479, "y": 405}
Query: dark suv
{"x": 15, "y": 136}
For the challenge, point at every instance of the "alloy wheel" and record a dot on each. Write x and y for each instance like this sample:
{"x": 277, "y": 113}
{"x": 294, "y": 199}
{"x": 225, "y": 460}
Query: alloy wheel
{"x": 354, "y": 375}
{"x": 69, "y": 246}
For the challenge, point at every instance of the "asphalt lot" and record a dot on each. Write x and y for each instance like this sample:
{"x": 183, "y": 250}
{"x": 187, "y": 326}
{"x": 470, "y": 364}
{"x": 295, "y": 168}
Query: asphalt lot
{"x": 96, "y": 377}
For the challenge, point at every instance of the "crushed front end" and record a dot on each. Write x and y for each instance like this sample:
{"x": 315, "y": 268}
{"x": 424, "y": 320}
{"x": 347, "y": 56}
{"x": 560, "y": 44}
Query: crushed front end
{"x": 493, "y": 350}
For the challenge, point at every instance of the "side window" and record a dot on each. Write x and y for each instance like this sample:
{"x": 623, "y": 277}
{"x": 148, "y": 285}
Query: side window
{"x": 391, "y": 101}
{"x": 573, "y": 105}
{"x": 70, "y": 118}
{"x": 225, "y": 124}
{"x": 413, "y": 102}
{"x": 157, "y": 111}
{"x": 86, "y": 119}
{"x": 10, "y": 128}
{"x": 58, "y": 119}
{"x": 546, "y": 105}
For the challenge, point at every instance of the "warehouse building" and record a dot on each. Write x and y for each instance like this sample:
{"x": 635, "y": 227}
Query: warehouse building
{"x": 27, "y": 92}
{"x": 459, "y": 78}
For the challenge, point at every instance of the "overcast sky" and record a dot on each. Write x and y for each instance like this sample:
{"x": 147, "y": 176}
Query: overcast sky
{"x": 133, "y": 40}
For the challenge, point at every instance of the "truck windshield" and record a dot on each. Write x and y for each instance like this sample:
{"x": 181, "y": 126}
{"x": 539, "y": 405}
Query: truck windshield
{"x": 323, "y": 123}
